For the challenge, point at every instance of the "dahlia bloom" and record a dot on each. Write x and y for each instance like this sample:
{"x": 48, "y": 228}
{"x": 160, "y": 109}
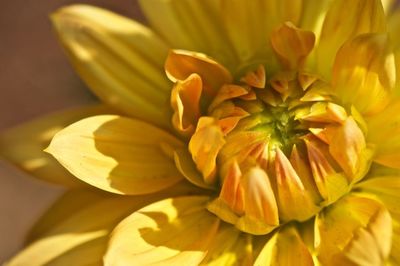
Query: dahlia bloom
{"x": 234, "y": 133}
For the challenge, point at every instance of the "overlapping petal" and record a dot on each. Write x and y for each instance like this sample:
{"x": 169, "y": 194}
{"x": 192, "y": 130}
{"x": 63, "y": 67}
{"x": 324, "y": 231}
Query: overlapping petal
{"x": 118, "y": 154}
{"x": 119, "y": 59}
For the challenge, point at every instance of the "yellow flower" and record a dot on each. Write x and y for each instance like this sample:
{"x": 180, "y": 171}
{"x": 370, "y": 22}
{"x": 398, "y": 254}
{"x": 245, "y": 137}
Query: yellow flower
{"x": 237, "y": 133}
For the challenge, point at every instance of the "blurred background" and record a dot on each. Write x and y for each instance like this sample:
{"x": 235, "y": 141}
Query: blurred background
{"x": 35, "y": 79}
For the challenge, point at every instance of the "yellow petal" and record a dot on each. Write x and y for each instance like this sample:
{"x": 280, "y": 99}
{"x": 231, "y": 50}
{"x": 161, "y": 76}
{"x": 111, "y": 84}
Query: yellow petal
{"x": 354, "y": 231}
{"x": 190, "y": 25}
{"x": 181, "y": 64}
{"x": 249, "y": 30}
{"x": 230, "y": 247}
{"x": 384, "y": 132}
{"x": 361, "y": 16}
{"x": 119, "y": 59}
{"x": 173, "y": 231}
{"x": 75, "y": 230}
{"x": 292, "y": 45}
{"x": 285, "y": 248}
{"x": 118, "y": 154}
{"x": 24, "y": 144}
{"x": 291, "y": 192}
{"x": 364, "y": 73}
{"x": 205, "y": 145}
{"x": 185, "y": 101}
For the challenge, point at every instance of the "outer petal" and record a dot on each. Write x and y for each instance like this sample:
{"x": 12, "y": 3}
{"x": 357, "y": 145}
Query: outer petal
{"x": 75, "y": 231}
{"x": 119, "y": 59}
{"x": 118, "y": 154}
{"x": 24, "y": 144}
{"x": 353, "y": 231}
{"x": 174, "y": 231}
{"x": 364, "y": 73}
{"x": 285, "y": 248}
{"x": 384, "y": 129}
{"x": 190, "y": 25}
{"x": 361, "y": 16}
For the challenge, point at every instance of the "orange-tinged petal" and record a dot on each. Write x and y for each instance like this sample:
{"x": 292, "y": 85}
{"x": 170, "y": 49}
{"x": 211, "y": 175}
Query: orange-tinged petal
{"x": 185, "y": 101}
{"x": 118, "y": 154}
{"x": 227, "y": 92}
{"x": 285, "y": 248}
{"x": 24, "y": 144}
{"x": 205, "y": 145}
{"x": 361, "y": 16}
{"x": 181, "y": 64}
{"x": 294, "y": 201}
{"x": 355, "y": 230}
{"x": 162, "y": 234}
{"x": 231, "y": 191}
{"x": 325, "y": 113}
{"x": 292, "y": 45}
{"x": 364, "y": 73}
{"x": 255, "y": 78}
{"x": 120, "y": 60}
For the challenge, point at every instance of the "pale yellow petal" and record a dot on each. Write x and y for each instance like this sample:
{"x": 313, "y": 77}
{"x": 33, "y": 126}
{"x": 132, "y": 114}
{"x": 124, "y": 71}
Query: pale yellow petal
{"x": 285, "y": 248}
{"x": 360, "y": 16}
{"x": 23, "y": 145}
{"x": 119, "y": 59}
{"x": 355, "y": 230}
{"x": 364, "y": 73}
{"x": 163, "y": 234}
{"x": 118, "y": 154}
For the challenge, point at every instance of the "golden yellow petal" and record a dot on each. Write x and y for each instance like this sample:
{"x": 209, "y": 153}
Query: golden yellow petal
{"x": 162, "y": 234}
{"x": 354, "y": 231}
{"x": 361, "y": 16}
{"x": 285, "y": 248}
{"x": 364, "y": 73}
{"x": 190, "y": 25}
{"x": 185, "y": 101}
{"x": 292, "y": 45}
{"x": 118, "y": 154}
{"x": 205, "y": 145}
{"x": 24, "y": 144}
{"x": 180, "y": 64}
{"x": 119, "y": 59}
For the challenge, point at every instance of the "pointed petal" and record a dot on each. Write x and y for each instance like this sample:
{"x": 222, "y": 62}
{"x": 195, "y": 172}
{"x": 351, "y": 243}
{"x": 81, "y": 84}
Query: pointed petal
{"x": 365, "y": 232}
{"x": 119, "y": 59}
{"x": 368, "y": 78}
{"x": 256, "y": 78}
{"x": 291, "y": 192}
{"x": 361, "y": 16}
{"x": 292, "y": 45}
{"x": 162, "y": 234}
{"x": 24, "y": 144}
{"x": 285, "y": 248}
{"x": 118, "y": 154}
{"x": 185, "y": 101}
{"x": 205, "y": 145}
{"x": 180, "y": 64}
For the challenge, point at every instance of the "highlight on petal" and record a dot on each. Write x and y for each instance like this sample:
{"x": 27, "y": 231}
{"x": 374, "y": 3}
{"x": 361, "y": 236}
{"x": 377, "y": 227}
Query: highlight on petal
{"x": 285, "y": 248}
{"x": 292, "y": 45}
{"x": 119, "y": 59}
{"x": 163, "y": 233}
{"x": 23, "y": 145}
{"x": 355, "y": 230}
{"x": 361, "y": 16}
{"x": 118, "y": 154}
{"x": 364, "y": 73}
{"x": 180, "y": 64}
{"x": 76, "y": 229}
{"x": 185, "y": 101}
{"x": 205, "y": 145}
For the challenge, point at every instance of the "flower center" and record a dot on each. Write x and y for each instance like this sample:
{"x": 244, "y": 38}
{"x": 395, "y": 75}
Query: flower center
{"x": 274, "y": 146}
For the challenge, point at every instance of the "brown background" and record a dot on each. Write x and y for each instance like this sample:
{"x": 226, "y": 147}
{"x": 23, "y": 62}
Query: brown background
{"x": 35, "y": 79}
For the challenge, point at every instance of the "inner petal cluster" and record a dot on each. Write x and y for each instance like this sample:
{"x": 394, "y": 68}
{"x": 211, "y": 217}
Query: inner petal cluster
{"x": 277, "y": 148}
